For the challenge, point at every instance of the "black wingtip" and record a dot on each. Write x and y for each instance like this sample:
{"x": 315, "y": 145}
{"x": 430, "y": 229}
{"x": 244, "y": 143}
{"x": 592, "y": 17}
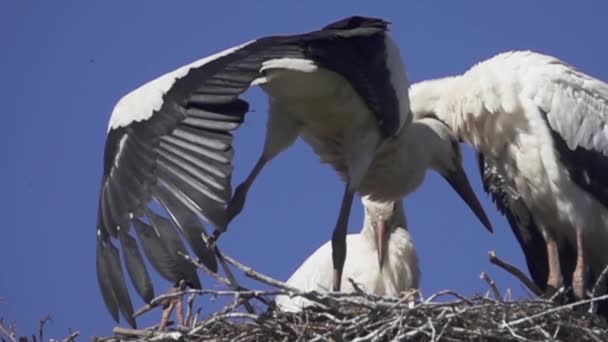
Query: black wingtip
{"x": 188, "y": 224}
{"x": 207, "y": 257}
{"x": 486, "y": 223}
{"x": 355, "y": 22}
{"x": 112, "y": 283}
{"x": 193, "y": 280}
{"x": 104, "y": 282}
{"x": 136, "y": 267}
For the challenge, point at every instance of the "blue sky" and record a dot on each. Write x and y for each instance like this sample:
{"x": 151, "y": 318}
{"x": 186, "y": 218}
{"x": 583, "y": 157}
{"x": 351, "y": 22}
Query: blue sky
{"x": 63, "y": 65}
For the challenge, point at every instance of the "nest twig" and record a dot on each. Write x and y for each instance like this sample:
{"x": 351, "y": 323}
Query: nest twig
{"x": 360, "y": 316}
{"x": 9, "y": 333}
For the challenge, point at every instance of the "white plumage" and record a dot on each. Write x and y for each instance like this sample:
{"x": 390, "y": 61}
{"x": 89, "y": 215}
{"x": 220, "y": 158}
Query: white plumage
{"x": 540, "y": 127}
{"x": 399, "y": 272}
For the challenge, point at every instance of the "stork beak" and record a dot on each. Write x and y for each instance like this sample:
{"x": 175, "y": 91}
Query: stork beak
{"x": 460, "y": 183}
{"x": 381, "y": 234}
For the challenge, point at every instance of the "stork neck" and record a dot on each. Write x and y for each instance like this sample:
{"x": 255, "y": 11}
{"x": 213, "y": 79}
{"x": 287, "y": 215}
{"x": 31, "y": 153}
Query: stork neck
{"x": 368, "y": 231}
{"x": 419, "y": 143}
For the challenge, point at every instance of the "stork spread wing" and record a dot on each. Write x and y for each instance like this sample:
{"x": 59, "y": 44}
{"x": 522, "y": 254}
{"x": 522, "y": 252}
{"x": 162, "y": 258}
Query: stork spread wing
{"x": 575, "y": 107}
{"x": 169, "y": 142}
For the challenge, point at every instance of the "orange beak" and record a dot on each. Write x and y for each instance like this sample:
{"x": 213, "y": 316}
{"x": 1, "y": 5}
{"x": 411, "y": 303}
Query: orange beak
{"x": 381, "y": 237}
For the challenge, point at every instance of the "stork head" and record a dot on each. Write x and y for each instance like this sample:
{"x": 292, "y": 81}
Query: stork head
{"x": 381, "y": 219}
{"x": 429, "y": 97}
{"x": 443, "y": 150}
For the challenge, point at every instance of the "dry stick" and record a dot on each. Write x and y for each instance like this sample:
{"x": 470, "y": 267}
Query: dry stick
{"x": 231, "y": 278}
{"x": 599, "y": 286}
{"x": 161, "y": 298}
{"x": 494, "y": 259}
{"x": 556, "y": 309}
{"x": 72, "y": 336}
{"x": 219, "y": 278}
{"x": 247, "y": 294}
{"x": 589, "y": 333}
{"x": 231, "y": 281}
{"x": 6, "y": 332}
{"x": 136, "y": 332}
{"x": 190, "y": 303}
{"x": 485, "y": 277}
{"x": 203, "y": 267}
{"x": 444, "y": 293}
{"x": 41, "y": 328}
{"x": 251, "y": 273}
{"x": 507, "y": 297}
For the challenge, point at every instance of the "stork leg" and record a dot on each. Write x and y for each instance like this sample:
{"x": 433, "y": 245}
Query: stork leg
{"x": 338, "y": 239}
{"x": 171, "y": 304}
{"x": 555, "y": 279}
{"x": 166, "y": 313}
{"x": 240, "y": 194}
{"x": 578, "y": 277}
{"x": 362, "y": 152}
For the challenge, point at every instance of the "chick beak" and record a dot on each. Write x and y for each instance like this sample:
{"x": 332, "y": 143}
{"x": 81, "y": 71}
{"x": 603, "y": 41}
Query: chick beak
{"x": 380, "y": 240}
{"x": 460, "y": 183}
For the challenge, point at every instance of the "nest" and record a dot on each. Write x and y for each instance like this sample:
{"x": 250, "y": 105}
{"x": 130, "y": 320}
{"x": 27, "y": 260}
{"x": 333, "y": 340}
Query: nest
{"x": 360, "y": 316}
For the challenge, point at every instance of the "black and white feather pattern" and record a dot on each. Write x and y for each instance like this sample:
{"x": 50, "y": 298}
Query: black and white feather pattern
{"x": 511, "y": 205}
{"x": 521, "y": 220}
{"x": 170, "y": 143}
{"x": 575, "y": 107}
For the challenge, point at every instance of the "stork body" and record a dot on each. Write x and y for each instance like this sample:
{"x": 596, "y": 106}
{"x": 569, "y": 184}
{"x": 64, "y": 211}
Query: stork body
{"x": 540, "y": 129}
{"x": 342, "y": 89}
{"x": 169, "y": 141}
{"x": 394, "y": 169}
{"x": 343, "y": 114}
{"x": 397, "y": 273}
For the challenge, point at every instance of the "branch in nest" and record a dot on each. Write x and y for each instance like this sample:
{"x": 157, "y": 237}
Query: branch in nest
{"x": 363, "y": 316}
{"x": 148, "y": 334}
{"x": 253, "y": 274}
{"x": 485, "y": 277}
{"x": 494, "y": 259}
{"x": 41, "y": 327}
{"x": 11, "y": 333}
{"x": 71, "y": 337}
{"x": 556, "y": 309}
{"x": 230, "y": 281}
{"x": 235, "y": 285}
{"x": 600, "y": 286}
{"x": 8, "y": 332}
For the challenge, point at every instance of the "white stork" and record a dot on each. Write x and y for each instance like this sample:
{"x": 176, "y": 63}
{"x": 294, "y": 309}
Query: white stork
{"x": 381, "y": 259}
{"x": 342, "y": 88}
{"x": 540, "y": 128}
